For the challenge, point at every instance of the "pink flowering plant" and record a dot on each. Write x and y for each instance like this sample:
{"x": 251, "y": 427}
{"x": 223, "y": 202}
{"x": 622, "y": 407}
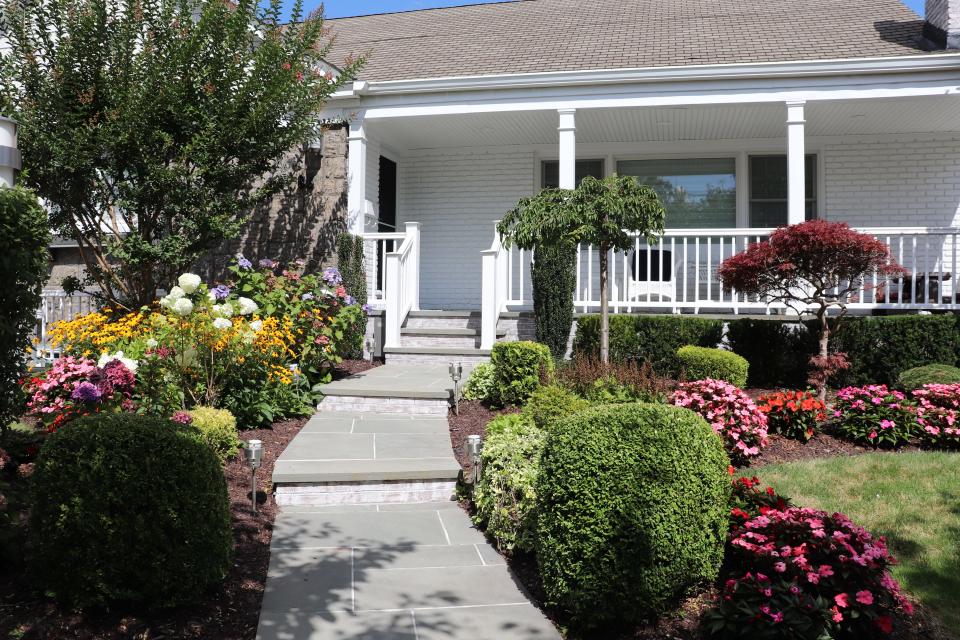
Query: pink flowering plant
{"x": 803, "y": 573}
{"x": 731, "y": 413}
{"x": 938, "y": 414}
{"x": 874, "y": 415}
{"x": 75, "y": 387}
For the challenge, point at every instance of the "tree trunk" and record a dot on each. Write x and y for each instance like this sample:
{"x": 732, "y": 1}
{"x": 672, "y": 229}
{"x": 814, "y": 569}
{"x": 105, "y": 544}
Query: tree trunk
{"x": 824, "y": 350}
{"x": 604, "y": 308}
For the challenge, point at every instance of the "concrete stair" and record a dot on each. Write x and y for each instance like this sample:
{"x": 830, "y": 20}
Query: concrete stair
{"x": 440, "y": 337}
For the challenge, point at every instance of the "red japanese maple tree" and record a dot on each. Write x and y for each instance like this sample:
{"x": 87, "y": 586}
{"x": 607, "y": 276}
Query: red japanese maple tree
{"x": 811, "y": 267}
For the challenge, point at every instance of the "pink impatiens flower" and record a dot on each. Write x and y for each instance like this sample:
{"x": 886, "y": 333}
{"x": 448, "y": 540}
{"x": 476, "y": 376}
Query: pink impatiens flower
{"x": 841, "y": 600}
{"x": 865, "y": 597}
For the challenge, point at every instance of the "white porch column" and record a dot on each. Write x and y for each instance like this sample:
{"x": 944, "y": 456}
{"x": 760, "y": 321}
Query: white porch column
{"x": 796, "y": 163}
{"x": 568, "y": 148}
{"x": 9, "y": 155}
{"x": 357, "y": 177}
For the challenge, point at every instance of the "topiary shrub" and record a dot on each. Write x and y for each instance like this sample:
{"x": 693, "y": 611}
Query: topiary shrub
{"x": 551, "y": 402}
{"x": 480, "y": 383}
{"x": 650, "y": 338}
{"x": 632, "y": 504}
{"x": 928, "y": 374}
{"x": 219, "y": 430}
{"x": 25, "y": 230}
{"x": 130, "y": 509}
{"x": 554, "y": 278}
{"x": 505, "y": 496}
{"x": 518, "y": 369}
{"x": 701, "y": 363}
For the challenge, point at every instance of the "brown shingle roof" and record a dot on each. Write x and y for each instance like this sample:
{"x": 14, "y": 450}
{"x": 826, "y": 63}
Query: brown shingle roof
{"x": 565, "y": 35}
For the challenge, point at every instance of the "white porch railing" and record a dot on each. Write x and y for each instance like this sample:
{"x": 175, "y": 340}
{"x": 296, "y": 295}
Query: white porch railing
{"x": 393, "y": 276}
{"x": 679, "y": 273}
{"x": 56, "y": 306}
{"x": 496, "y": 268}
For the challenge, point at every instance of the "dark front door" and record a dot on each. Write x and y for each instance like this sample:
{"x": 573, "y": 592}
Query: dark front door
{"x": 388, "y": 195}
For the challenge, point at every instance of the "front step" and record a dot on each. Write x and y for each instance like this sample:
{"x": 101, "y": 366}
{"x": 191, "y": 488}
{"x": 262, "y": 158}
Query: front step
{"x": 363, "y": 458}
{"x": 394, "y": 388}
{"x": 443, "y": 319}
{"x": 436, "y": 356}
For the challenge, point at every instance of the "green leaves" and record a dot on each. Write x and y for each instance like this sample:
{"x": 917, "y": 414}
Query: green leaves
{"x": 153, "y": 128}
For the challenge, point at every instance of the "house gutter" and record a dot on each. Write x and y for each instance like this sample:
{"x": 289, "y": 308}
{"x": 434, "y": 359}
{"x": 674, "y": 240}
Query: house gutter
{"x": 816, "y": 68}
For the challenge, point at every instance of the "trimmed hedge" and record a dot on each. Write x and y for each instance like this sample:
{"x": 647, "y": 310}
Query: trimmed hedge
{"x": 551, "y": 403}
{"x": 518, "y": 368}
{"x": 632, "y": 511}
{"x": 777, "y": 351}
{"x": 650, "y": 338}
{"x": 129, "y": 509}
{"x": 915, "y": 378}
{"x": 554, "y": 279}
{"x": 701, "y": 363}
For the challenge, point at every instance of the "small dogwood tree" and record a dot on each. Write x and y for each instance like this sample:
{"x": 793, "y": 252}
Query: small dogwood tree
{"x": 813, "y": 267}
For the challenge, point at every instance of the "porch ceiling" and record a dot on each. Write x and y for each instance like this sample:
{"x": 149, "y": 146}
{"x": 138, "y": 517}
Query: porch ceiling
{"x": 660, "y": 124}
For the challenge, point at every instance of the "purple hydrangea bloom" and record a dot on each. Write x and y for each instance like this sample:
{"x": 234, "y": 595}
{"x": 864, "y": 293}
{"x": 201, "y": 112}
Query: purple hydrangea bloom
{"x": 221, "y": 292}
{"x": 86, "y": 392}
{"x": 350, "y": 300}
{"x": 267, "y": 263}
{"x": 243, "y": 263}
{"x": 367, "y": 308}
{"x": 307, "y": 296}
{"x": 331, "y": 275}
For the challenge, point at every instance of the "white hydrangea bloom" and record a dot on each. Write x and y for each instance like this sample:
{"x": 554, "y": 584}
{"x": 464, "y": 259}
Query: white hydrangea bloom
{"x": 247, "y": 306}
{"x": 211, "y": 296}
{"x": 189, "y": 282}
{"x": 256, "y": 325}
{"x": 222, "y": 323}
{"x": 106, "y": 358}
{"x": 151, "y": 343}
{"x": 224, "y": 310}
{"x": 176, "y": 293}
{"x": 182, "y": 307}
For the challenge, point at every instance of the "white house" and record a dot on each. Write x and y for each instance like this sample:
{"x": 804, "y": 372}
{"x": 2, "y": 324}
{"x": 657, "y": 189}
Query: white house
{"x": 746, "y": 115}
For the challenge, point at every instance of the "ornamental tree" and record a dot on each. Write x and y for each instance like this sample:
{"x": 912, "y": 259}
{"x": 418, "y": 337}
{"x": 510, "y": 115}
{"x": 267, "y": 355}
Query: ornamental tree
{"x": 605, "y": 213}
{"x": 152, "y": 129}
{"x": 813, "y": 267}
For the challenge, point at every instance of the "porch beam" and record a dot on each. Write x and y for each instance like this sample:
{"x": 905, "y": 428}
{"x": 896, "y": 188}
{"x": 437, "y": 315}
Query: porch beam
{"x": 357, "y": 177}
{"x": 568, "y": 148}
{"x": 796, "y": 163}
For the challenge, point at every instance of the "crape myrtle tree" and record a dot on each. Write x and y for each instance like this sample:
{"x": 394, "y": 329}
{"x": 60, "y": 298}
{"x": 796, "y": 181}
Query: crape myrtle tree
{"x": 811, "y": 267}
{"x": 152, "y": 128}
{"x": 604, "y": 213}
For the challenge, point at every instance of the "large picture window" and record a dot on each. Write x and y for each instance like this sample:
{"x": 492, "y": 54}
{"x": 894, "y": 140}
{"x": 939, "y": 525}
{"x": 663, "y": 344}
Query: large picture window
{"x": 768, "y": 190}
{"x": 697, "y": 192}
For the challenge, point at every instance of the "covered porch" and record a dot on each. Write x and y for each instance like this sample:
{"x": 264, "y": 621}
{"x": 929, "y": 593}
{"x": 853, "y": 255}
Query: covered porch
{"x": 730, "y": 166}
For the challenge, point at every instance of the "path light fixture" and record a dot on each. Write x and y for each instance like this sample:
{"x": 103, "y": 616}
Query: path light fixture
{"x": 295, "y": 376}
{"x": 369, "y": 345}
{"x": 472, "y": 448}
{"x": 456, "y": 374}
{"x": 253, "y": 457}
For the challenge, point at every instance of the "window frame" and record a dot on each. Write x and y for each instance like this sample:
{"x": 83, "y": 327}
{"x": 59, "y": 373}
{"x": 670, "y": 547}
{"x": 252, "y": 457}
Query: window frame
{"x": 814, "y": 197}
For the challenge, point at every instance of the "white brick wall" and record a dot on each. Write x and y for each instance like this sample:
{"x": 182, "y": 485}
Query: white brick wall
{"x": 897, "y": 180}
{"x": 457, "y": 195}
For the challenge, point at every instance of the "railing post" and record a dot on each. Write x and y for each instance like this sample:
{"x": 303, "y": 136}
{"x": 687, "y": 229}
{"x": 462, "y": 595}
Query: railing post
{"x": 413, "y": 233}
{"x": 394, "y": 293}
{"x": 489, "y": 300}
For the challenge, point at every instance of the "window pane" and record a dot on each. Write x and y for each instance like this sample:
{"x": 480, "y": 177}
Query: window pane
{"x": 551, "y": 172}
{"x": 769, "y": 188}
{"x": 696, "y": 192}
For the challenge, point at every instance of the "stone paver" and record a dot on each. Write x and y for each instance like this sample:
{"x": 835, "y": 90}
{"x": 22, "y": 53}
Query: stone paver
{"x": 429, "y": 381}
{"x": 391, "y": 572}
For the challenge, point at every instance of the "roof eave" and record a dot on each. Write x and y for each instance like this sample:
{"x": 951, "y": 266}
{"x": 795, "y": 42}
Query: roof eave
{"x": 798, "y": 69}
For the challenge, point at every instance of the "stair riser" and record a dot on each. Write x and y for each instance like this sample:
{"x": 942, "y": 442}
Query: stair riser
{"x": 423, "y": 358}
{"x": 409, "y": 406}
{"x": 346, "y": 493}
{"x": 443, "y": 323}
{"x": 451, "y": 342}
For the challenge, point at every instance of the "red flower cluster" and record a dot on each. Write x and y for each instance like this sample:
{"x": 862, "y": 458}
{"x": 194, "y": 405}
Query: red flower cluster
{"x": 794, "y": 414}
{"x": 803, "y": 573}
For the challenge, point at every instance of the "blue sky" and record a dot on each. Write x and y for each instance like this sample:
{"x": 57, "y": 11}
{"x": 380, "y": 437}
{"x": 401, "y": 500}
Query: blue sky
{"x": 341, "y": 8}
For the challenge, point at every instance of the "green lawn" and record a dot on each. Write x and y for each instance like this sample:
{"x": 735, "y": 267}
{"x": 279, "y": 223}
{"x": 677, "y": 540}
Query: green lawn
{"x": 911, "y": 498}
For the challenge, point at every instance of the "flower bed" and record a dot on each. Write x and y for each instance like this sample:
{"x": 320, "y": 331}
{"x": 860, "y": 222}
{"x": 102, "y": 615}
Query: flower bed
{"x": 874, "y": 415}
{"x": 794, "y": 414}
{"x": 731, "y": 413}
{"x": 938, "y": 409}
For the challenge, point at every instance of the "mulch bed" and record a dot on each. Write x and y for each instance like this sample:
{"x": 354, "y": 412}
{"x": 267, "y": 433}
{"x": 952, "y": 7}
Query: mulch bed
{"x": 472, "y": 420}
{"x": 348, "y": 368}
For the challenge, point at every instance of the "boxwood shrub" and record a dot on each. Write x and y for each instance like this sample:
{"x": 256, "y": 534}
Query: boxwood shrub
{"x": 701, "y": 363}
{"x": 632, "y": 511}
{"x": 550, "y": 403}
{"x": 916, "y": 377}
{"x": 129, "y": 509}
{"x": 518, "y": 368}
{"x": 650, "y": 338}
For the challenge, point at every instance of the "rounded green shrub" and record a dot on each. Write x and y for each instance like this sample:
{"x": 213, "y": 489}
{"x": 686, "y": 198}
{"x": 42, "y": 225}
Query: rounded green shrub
{"x": 218, "y": 428}
{"x": 130, "y": 509}
{"x": 632, "y": 511}
{"x": 480, "y": 383}
{"x": 551, "y": 402}
{"x": 518, "y": 369}
{"x": 503, "y": 422}
{"x": 505, "y": 497}
{"x": 916, "y": 377}
{"x": 700, "y": 363}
